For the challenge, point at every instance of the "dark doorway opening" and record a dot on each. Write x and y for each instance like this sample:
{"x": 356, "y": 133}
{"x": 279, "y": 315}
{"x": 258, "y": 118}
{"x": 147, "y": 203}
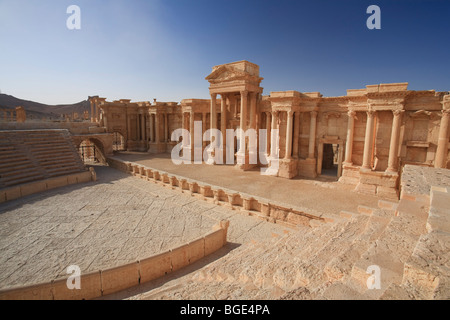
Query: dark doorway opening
{"x": 330, "y": 159}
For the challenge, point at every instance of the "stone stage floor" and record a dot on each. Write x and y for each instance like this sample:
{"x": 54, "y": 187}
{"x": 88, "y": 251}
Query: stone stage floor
{"x": 314, "y": 196}
{"x": 98, "y": 225}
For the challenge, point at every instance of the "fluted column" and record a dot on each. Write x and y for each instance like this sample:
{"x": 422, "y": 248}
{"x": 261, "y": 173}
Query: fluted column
{"x": 253, "y": 110}
{"x": 213, "y": 112}
{"x": 288, "y": 151}
{"x": 223, "y": 120}
{"x": 393, "y": 147}
{"x": 191, "y": 130}
{"x": 442, "y": 147}
{"x": 157, "y": 139}
{"x": 368, "y": 140}
{"x": 128, "y": 127}
{"x": 142, "y": 127}
{"x": 166, "y": 127}
{"x": 273, "y": 152}
{"x": 350, "y": 132}
{"x": 243, "y": 123}
{"x": 296, "y": 134}
{"x": 268, "y": 133}
{"x": 312, "y": 134}
{"x": 92, "y": 111}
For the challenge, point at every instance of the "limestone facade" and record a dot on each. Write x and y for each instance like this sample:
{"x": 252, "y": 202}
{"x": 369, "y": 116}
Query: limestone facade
{"x": 363, "y": 138}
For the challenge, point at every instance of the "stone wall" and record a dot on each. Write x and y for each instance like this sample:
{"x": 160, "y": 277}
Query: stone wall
{"x": 105, "y": 282}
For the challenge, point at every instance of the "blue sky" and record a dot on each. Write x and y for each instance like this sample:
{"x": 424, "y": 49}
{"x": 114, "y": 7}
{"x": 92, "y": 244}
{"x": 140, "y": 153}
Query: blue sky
{"x": 164, "y": 49}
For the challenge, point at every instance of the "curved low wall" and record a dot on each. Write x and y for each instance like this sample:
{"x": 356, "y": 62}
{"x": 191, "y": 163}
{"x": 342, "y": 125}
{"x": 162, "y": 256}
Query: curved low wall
{"x": 260, "y": 207}
{"x": 105, "y": 282}
{"x": 22, "y": 190}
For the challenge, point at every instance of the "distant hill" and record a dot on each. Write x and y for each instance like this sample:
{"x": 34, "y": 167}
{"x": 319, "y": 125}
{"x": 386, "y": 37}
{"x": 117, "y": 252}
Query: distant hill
{"x": 10, "y": 102}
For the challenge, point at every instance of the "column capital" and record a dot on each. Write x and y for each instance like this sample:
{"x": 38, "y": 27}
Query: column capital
{"x": 314, "y": 114}
{"x": 290, "y": 113}
{"x": 351, "y": 113}
{"x": 445, "y": 112}
{"x": 370, "y": 113}
{"x": 244, "y": 93}
{"x": 213, "y": 95}
{"x": 398, "y": 112}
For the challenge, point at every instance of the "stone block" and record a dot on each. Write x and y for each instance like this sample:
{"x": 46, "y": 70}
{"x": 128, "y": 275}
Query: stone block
{"x": 196, "y": 250}
{"x": 72, "y": 179}
{"x": 155, "y": 266}
{"x": 180, "y": 257}
{"x": 33, "y": 187}
{"x": 213, "y": 241}
{"x": 297, "y": 219}
{"x": 389, "y": 205}
{"x": 84, "y": 177}
{"x": 366, "y": 188}
{"x": 346, "y": 214}
{"x": 12, "y": 193}
{"x": 56, "y": 182}
{"x": 33, "y": 292}
{"x": 365, "y": 210}
{"x": 379, "y": 179}
{"x": 120, "y": 278}
{"x": 2, "y": 196}
{"x": 206, "y": 191}
{"x": 387, "y": 192}
{"x": 90, "y": 288}
{"x": 278, "y": 212}
{"x": 265, "y": 209}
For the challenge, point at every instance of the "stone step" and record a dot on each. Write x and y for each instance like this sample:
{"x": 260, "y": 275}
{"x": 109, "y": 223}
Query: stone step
{"x": 19, "y": 179}
{"x": 28, "y": 167}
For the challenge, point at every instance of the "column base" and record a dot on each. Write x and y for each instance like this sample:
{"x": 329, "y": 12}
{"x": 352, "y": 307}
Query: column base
{"x": 243, "y": 162}
{"x": 288, "y": 168}
{"x": 350, "y": 174}
{"x": 307, "y": 167}
{"x": 154, "y": 147}
{"x": 378, "y": 183}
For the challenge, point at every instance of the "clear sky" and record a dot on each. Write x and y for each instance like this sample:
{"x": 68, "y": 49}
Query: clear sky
{"x": 164, "y": 49}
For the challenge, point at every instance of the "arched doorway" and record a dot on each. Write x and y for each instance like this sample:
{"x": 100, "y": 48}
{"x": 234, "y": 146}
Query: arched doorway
{"x": 91, "y": 151}
{"x": 118, "y": 142}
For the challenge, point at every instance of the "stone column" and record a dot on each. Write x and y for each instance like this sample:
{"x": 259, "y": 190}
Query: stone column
{"x": 97, "y": 111}
{"x": 296, "y": 134}
{"x": 157, "y": 139}
{"x": 393, "y": 147}
{"x": 223, "y": 120}
{"x": 243, "y": 124}
{"x": 253, "y": 110}
{"x": 349, "y": 143}
{"x": 203, "y": 128}
{"x": 442, "y": 147}
{"x": 368, "y": 140}
{"x": 274, "y": 126}
{"x": 268, "y": 133}
{"x": 128, "y": 126}
{"x": 312, "y": 134}
{"x": 152, "y": 137}
{"x": 92, "y": 111}
{"x": 166, "y": 127}
{"x": 213, "y": 113}
{"x": 142, "y": 127}
{"x": 288, "y": 151}
{"x": 191, "y": 130}
{"x": 235, "y": 102}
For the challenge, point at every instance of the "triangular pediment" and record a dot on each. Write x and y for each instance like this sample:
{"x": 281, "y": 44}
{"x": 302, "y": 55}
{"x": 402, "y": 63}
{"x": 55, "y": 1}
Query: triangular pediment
{"x": 226, "y": 73}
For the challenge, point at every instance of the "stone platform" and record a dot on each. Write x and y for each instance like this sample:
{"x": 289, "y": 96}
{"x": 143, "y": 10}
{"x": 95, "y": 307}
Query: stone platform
{"x": 317, "y": 197}
{"x": 116, "y": 220}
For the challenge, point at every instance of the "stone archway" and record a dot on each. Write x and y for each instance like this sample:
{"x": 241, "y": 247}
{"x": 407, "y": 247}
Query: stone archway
{"x": 91, "y": 150}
